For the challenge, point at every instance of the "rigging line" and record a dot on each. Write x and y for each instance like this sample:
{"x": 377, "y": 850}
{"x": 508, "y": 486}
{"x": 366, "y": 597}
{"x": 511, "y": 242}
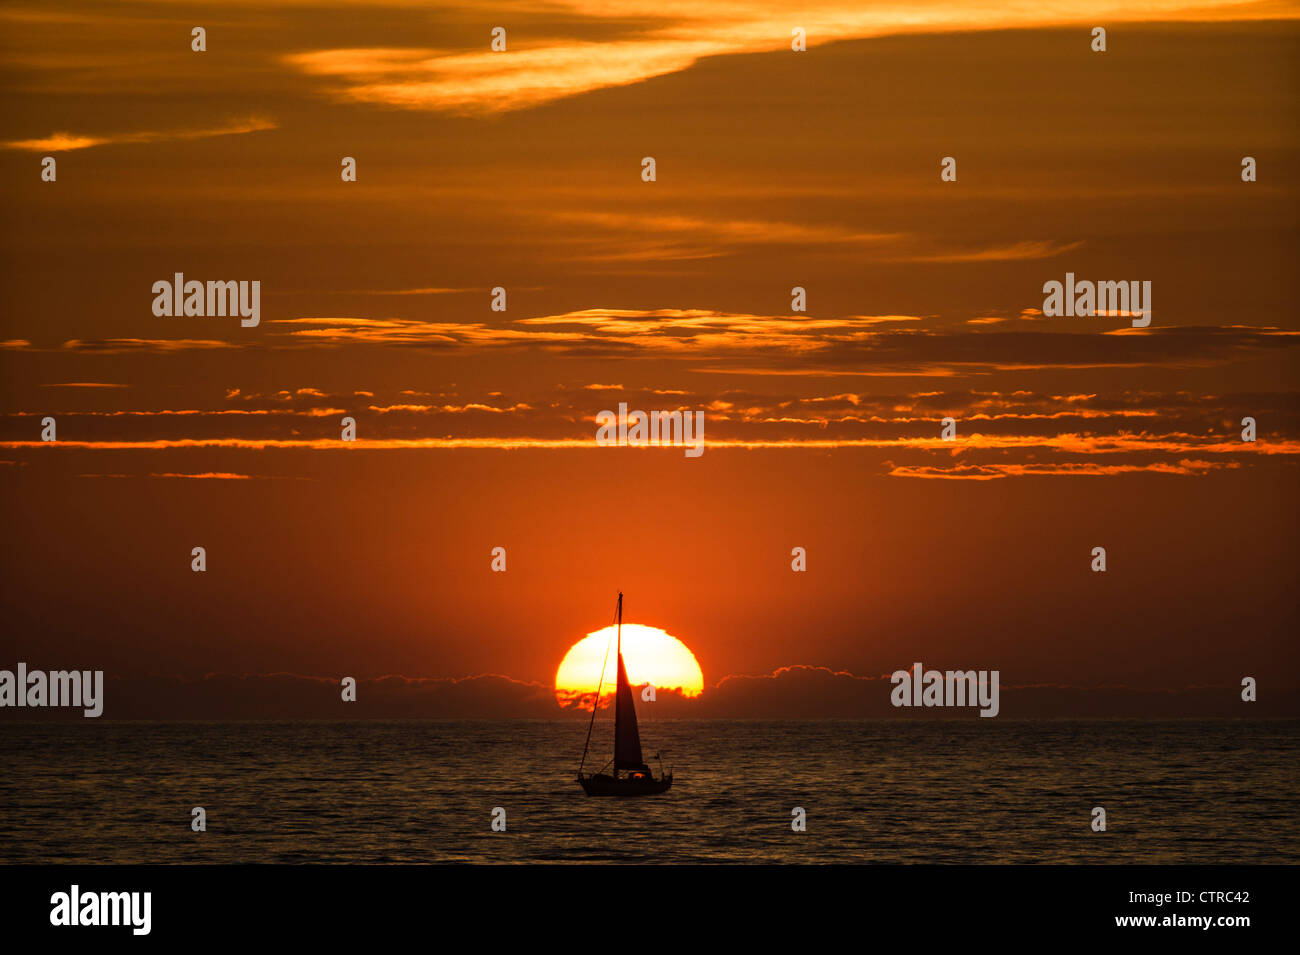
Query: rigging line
{"x": 594, "y": 705}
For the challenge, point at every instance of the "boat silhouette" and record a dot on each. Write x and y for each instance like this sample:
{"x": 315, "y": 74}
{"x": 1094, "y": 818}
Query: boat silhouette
{"x": 638, "y": 780}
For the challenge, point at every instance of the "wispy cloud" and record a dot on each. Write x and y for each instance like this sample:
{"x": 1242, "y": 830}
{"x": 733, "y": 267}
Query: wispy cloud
{"x": 205, "y": 476}
{"x": 122, "y": 346}
{"x": 670, "y": 37}
{"x": 64, "y": 142}
{"x": 677, "y": 237}
{"x": 199, "y": 476}
{"x": 787, "y": 345}
{"x": 84, "y": 384}
{"x": 494, "y": 82}
{"x": 1071, "y": 443}
{"x": 641, "y": 234}
{"x": 1016, "y": 251}
{"x": 990, "y": 472}
{"x": 399, "y": 291}
{"x": 1017, "y": 434}
{"x": 395, "y": 331}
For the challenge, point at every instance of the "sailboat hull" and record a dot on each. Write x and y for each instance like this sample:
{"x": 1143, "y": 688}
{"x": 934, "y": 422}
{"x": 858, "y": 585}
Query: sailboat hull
{"x": 602, "y": 785}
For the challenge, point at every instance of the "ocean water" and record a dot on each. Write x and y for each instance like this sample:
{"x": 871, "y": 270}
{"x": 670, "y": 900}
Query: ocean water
{"x": 875, "y": 791}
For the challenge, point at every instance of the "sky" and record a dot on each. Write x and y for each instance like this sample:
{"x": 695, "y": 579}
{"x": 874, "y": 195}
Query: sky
{"x": 522, "y": 170}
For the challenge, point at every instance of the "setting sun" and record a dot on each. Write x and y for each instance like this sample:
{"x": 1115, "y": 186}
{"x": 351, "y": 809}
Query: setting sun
{"x": 650, "y": 655}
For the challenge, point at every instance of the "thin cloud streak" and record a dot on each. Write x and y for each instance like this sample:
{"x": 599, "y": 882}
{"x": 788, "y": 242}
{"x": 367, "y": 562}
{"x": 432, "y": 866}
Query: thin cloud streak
{"x": 126, "y": 346}
{"x": 1072, "y": 443}
{"x": 65, "y": 142}
{"x": 1015, "y": 252}
{"x": 991, "y": 472}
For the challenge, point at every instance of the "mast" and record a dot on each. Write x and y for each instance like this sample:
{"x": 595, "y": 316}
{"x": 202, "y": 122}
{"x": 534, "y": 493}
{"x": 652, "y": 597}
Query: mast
{"x": 619, "y": 662}
{"x": 627, "y": 739}
{"x": 595, "y": 704}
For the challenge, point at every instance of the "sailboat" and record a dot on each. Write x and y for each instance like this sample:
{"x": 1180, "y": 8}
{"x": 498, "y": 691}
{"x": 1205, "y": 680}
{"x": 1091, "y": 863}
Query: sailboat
{"x": 637, "y": 779}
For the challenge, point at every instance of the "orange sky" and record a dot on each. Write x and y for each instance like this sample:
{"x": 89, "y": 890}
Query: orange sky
{"x": 476, "y": 428}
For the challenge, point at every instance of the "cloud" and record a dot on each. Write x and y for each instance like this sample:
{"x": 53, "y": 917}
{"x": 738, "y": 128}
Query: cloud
{"x": 1015, "y": 252}
{"x": 1069, "y": 442}
{"x": 643, "y": 234}
{"x": 64, "y": 142}
{"x": 205, "y": 475}
{"x": 399, "y": 291}
{"x": 699, "y": 332}
{"x": 332, "y": 331}
{"x": 989, "y": 472}
{"x": 867, "y": 345}
{"x": 488, "y": 82}
{"x": 452, "y": 409}
{"x": 1001, "y": 434}
{"x": 945, "y": 353}
{"x": 719, "y": 342}
{"x": 645, "y": 40}
{"x": 295, "y": 696}
{"x": 84, "y": 384}
{"x": 123, "y": 346}
{"x": 789, "y": 692}
{"x": 667, "y": 330}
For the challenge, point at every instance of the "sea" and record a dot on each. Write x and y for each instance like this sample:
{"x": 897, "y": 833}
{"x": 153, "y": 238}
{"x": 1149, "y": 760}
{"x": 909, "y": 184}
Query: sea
{"x": 870, "y": 791}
